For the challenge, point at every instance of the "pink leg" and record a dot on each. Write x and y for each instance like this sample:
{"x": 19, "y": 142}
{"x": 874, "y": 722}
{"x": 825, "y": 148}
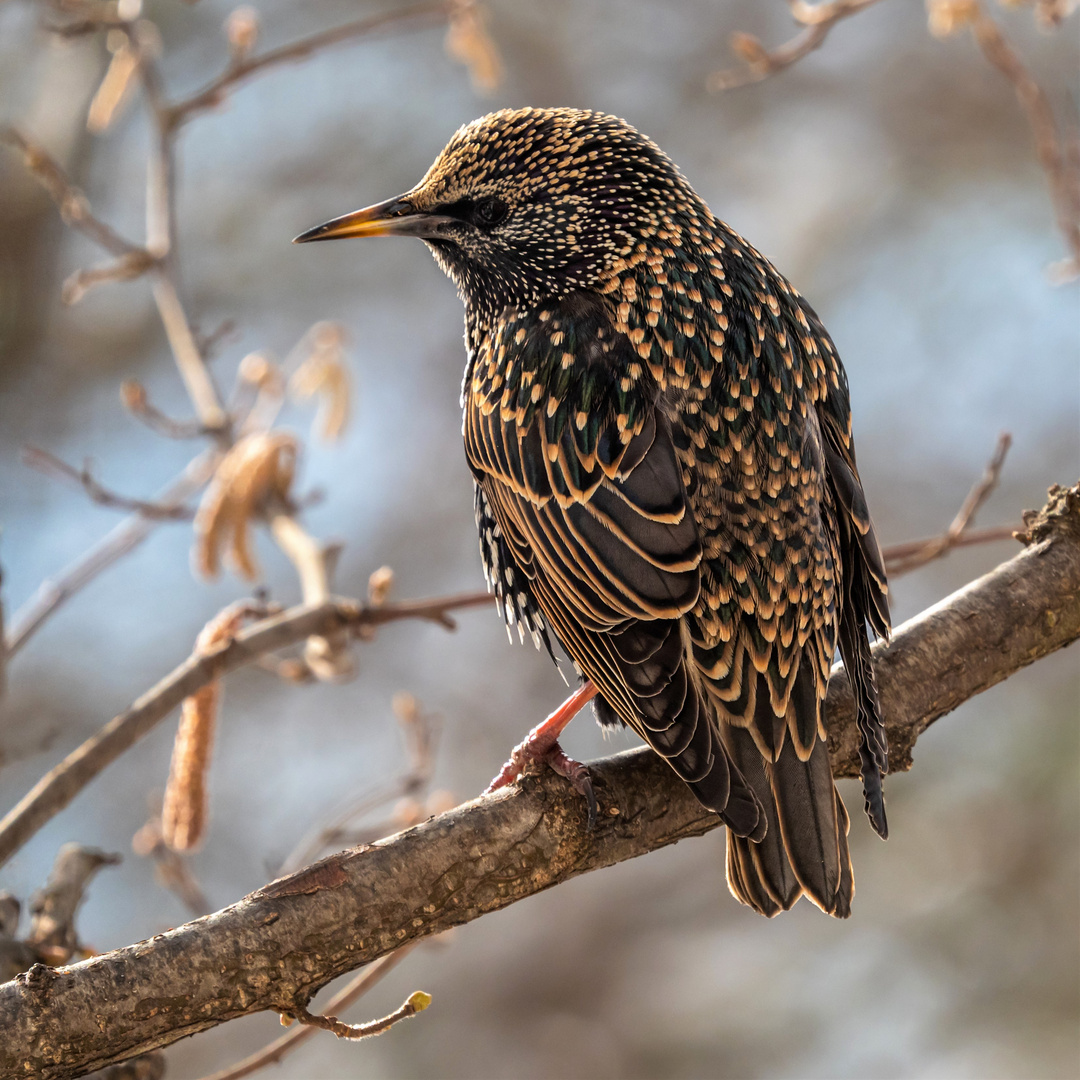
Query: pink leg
{"x": 542, "y": 744}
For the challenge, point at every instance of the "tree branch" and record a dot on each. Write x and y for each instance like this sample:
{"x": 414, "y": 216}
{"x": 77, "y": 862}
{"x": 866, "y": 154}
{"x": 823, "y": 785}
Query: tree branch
{"x": 122, "y": 538}
{"x": 819, "y": 19}
{"x": 276, "y": 947}
{"x": 58, "y": 787}
{"x": 240, "y": 70}
{"x": 50, "y": 465}
{"x": 1056, "y": 154}
{"x": 903, "y": 558}
{"x": 70, "y": 201}
{"x": 1062, "y": 173}
{"x": 354, "y": 989}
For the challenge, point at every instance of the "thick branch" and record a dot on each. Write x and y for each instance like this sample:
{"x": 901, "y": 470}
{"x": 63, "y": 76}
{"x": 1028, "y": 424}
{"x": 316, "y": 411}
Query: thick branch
{"x": 279, "y": 945}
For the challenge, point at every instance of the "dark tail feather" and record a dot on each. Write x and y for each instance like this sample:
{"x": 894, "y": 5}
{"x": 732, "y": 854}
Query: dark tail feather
{"x": 846, "y": 893}
{"x": 806, "y": 806}
{"x": 723, "y": 787}
{"x": 865, "y": 600}
{"x": 759, "y": 874}
{"x": 873, "y": 746}
{"x": 805, "y": 848}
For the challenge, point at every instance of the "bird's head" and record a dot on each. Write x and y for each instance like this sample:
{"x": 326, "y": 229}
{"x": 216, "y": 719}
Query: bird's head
{"x": 527, "y": 204}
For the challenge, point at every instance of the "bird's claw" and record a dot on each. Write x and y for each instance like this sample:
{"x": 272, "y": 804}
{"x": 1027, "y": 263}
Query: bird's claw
{"x": 579, "y": 778}
{"x": 553, "y": 755}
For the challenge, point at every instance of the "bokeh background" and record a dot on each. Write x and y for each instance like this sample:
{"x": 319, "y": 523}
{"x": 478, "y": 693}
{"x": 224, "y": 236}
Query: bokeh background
{"x": 891, "y": 176}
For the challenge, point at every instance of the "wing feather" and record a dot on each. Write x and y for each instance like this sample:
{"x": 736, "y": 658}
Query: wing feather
{"x": 592, "y": 506}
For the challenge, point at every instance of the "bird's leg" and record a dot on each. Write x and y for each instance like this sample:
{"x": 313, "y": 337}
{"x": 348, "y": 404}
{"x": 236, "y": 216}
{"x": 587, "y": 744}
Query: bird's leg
{"x": 542, "y": 744}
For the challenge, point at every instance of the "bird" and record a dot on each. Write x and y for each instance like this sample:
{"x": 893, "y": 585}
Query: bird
{"x": 659, "y": 431}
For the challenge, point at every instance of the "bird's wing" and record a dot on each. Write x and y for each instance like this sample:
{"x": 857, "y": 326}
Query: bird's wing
{"x": 579, "y": 471}
{"x": 763, "y": 636}
{"x": 864, "y": 596}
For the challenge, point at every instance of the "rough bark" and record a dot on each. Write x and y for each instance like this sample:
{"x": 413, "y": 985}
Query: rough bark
{"x": 276, "y": 947}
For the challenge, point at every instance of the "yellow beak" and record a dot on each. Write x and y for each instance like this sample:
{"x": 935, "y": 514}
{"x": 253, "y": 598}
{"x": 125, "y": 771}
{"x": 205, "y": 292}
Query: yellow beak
{"x": 395, "y": 217}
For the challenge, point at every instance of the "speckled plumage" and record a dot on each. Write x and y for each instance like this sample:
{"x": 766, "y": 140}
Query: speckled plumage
{"x": 660, "y": 433}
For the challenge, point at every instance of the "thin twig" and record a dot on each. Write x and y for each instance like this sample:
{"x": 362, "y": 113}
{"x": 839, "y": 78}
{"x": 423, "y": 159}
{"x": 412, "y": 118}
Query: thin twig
{"x": 52, "y": 932}
{"x": 124, "y": 537}
{"x": 1062, "y": 175}
{"x": 208, "y": 343}
{"x": 50, "y": 465}
{"x": 818, "y": 20}
{"x": 237, "y": 72}
{"x": 352, "y": 991}
{"x": 185, "y": 350}
{"x": 75, "y": 210}
{"x": 57, "y": 788}
{"x": 910, "y": 556}
{"x": 895, "y": 553}
{"x": 125, "y": 268}
{"x": 73, "y": 205}
{"x": 135, "y": 400}
{"x": 171, "y": 871}
{"x": 419, "y": 734}
{"x": 1055, "y": 153}
{"x": 417, "y": 1002}
{"x": 326, "y": 657}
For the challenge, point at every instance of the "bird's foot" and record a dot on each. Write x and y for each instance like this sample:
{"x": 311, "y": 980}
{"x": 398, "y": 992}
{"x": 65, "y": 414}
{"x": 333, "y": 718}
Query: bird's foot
{"x": 542, "y": 745}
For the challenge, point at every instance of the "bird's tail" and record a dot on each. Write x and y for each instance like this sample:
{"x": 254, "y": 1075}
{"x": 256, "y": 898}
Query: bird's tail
{"x": 804, "y": 850}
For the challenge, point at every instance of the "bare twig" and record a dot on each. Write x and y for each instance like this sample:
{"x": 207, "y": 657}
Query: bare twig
{"x": 52, "y": 938}
{"x": 896, "y": 555}
{"x": 52, "y": 929}
{"x": 1062, "y": 171}
{"x": 352, "y": 991}
{"x": 208, "y": 343}
{"x": 140, "y": 43}
{"x": 75, "y": 210}
{"x": 70, "y": 201}
{"x": 55, "y": 790}
{"x": 134, "y": 398}
{"x": 277, "y": 947}
{"x": 171, "y": 870}
{"x": 819, "y": 19}
{"x": 189, "y": 361}
{"x": 15, "y": 955}
{"x": 419, "y": 733}
{"x": 1055, "y": 153}
{"x": 328, "y": 659}
{"x": 326, "y": 655}
{"x": 904, "y": 558}
{"x": 125, "y": 537}
{"x": 125, "y": 268}
{"x": 417, "y": 1002}
{"x": 238, "y": 71}
{"x": 50, "y": 465}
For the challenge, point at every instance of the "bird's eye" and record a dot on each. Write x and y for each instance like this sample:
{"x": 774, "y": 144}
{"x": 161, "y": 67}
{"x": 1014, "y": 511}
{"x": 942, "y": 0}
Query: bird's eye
{"x": 489, "y": 211}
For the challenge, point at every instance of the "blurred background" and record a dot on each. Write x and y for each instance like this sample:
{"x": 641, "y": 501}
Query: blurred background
{"x": 892, "y": 177}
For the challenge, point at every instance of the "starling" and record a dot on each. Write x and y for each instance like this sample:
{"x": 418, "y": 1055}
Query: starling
{"x": 659, "y": 430}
